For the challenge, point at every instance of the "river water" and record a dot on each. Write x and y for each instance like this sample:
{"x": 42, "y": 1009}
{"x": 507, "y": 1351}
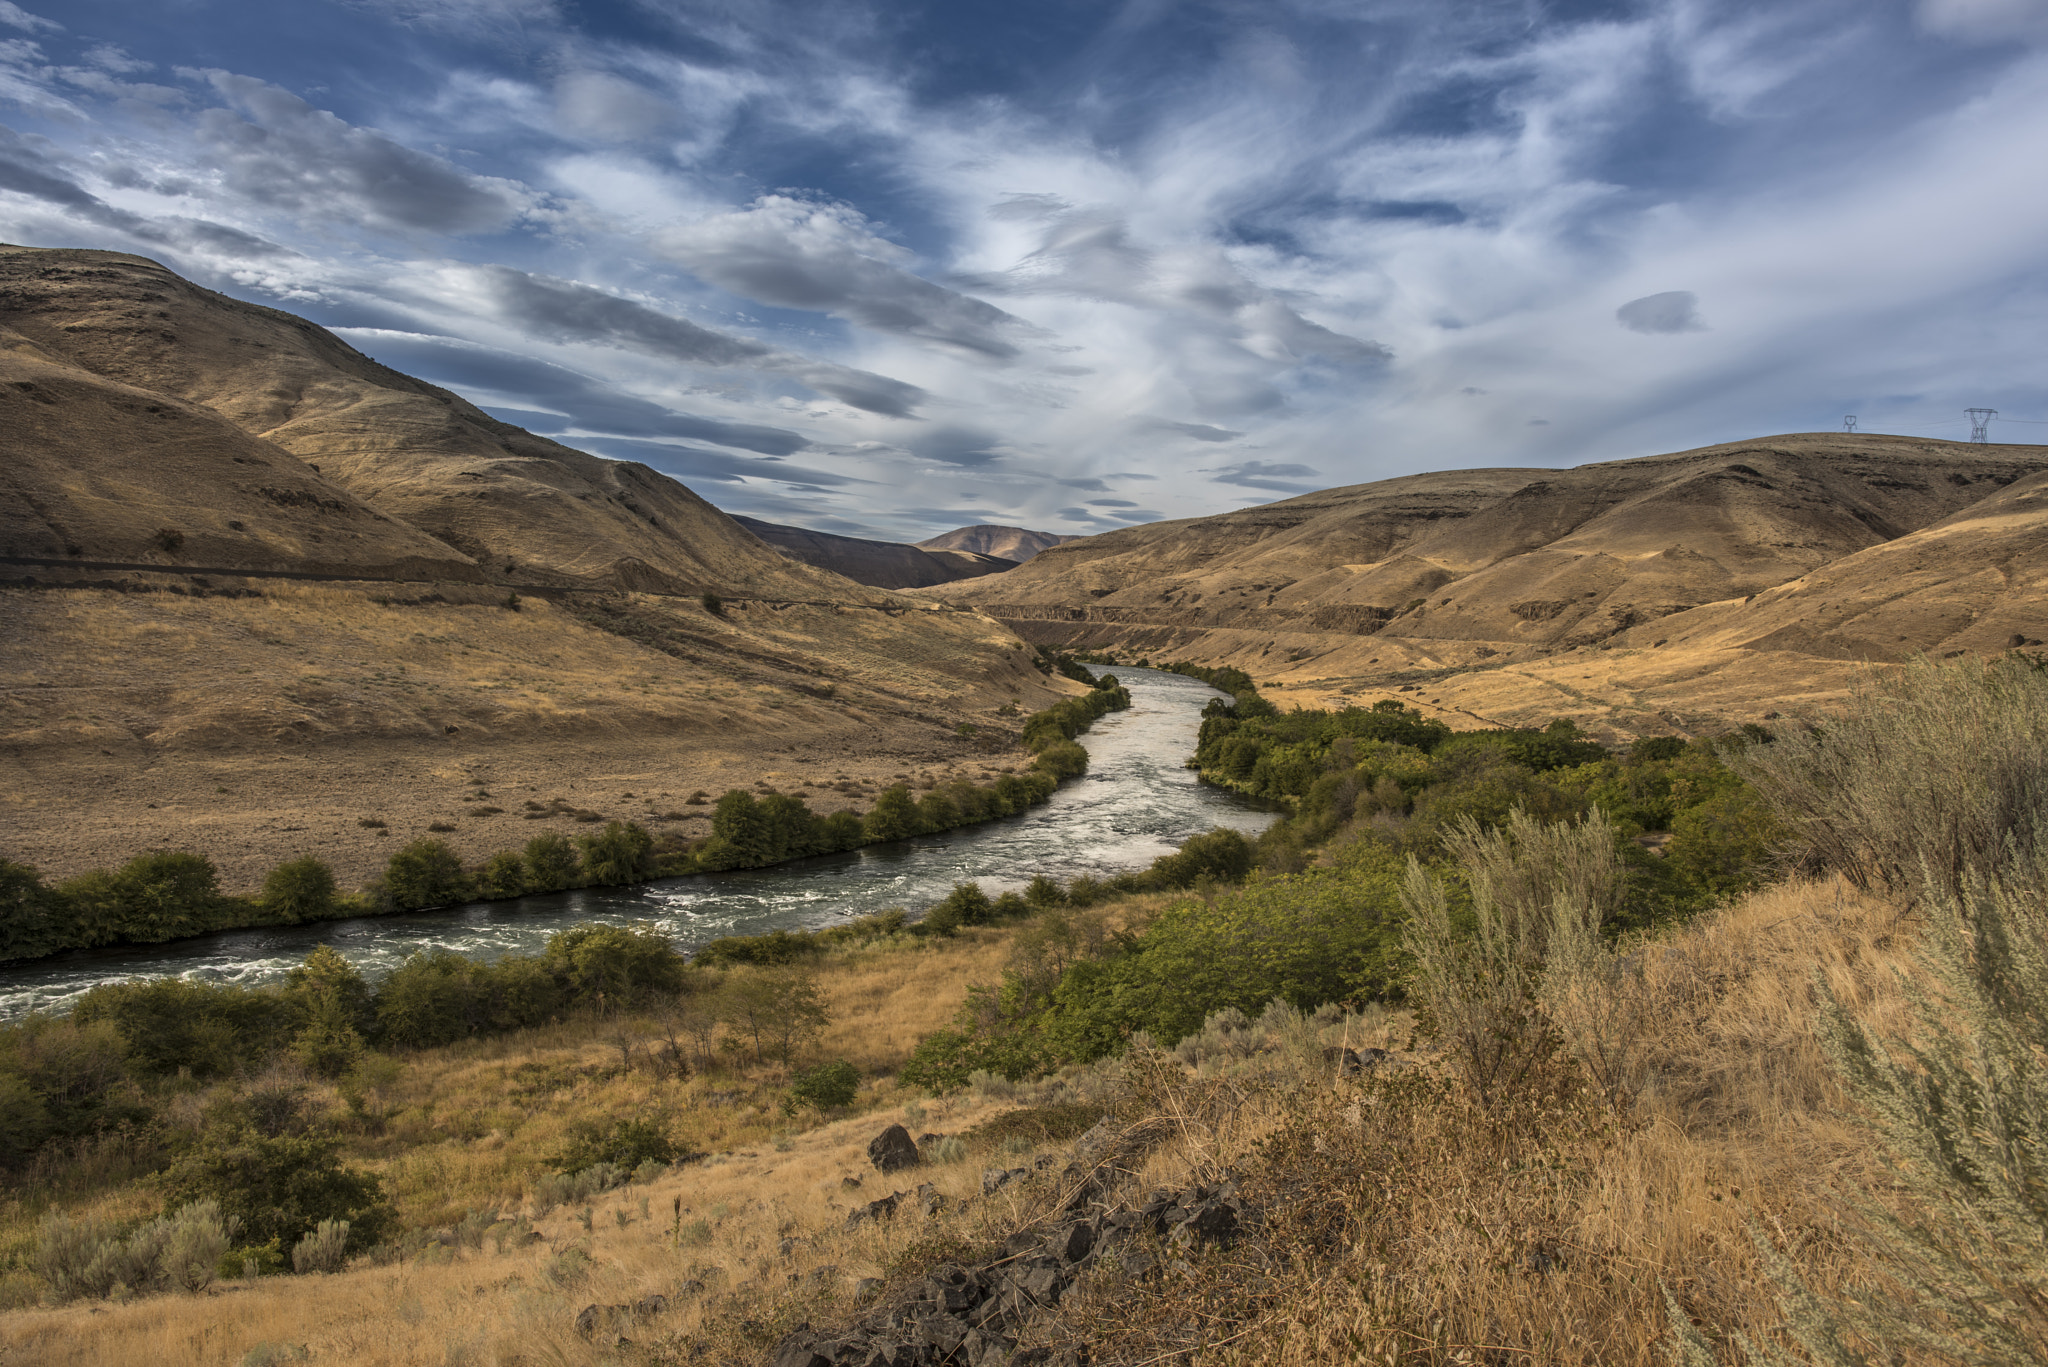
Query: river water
{"x": 1135, "y": 803}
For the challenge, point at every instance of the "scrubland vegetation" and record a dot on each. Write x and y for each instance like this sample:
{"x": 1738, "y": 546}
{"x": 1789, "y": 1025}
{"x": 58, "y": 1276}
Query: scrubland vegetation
{"x": 1702, "y": 1053}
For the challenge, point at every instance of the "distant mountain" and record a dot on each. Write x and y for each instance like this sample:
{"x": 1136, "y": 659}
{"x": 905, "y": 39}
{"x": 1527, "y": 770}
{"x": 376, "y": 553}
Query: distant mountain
{"x": 1007, "y": 543}
{"x": 882, "y": 564}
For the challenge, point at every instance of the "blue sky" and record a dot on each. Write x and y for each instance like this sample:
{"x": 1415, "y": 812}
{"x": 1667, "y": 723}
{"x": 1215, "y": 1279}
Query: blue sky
{"x": 1073, "y": 264}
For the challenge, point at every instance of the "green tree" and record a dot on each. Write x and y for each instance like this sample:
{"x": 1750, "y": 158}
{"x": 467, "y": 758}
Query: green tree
{"x": 965, "y": 905}
{"x": 894, "y": 816}
{"x": 168, "y": 1023}
{"x": 502, "y": 876}
{"x": 551, "y": 863}
{"x": 778, "y": 1008}
{"x": 622, "y": 853}
{"x": 426, "y": 873}
{"x": 153, "y": 897}
{"x": 826, "y": 1086}
{"x": 1723, "y": 845}
{"x": 841, "y": 831}
{"x": 434, "y": 997}
{"x": 1062, "y": 760}
{"x": 740, "y": 834}
{"x": 937, "y": 813}
{"x": 31, "y": 914}
{"x": 1043, "y": 892}
{"x": 298, "y": 890}
{"x": 335, "y": 1004}
{"x": 280, "y": 1186}
{"x": 622, "y": 965}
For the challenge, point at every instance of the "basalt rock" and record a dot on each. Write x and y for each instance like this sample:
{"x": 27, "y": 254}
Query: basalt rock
{"x": 973, "y": 1316}
{"x": 893, "y": 1150}
{"x": 874, "y": 1212}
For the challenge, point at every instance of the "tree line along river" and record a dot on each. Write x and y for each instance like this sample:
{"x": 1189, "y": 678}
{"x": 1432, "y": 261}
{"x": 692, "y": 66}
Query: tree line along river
{"x": 1136, "y": 802}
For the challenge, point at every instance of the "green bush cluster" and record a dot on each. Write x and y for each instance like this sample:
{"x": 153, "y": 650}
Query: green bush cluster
{"x": 1366, "y": 790}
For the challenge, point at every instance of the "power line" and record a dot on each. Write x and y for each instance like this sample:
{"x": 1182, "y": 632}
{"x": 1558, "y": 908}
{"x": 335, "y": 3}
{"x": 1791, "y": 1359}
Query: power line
{"x": 1980, "y": 423}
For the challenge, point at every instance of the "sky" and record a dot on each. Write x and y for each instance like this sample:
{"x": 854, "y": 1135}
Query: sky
{"x": 888, "y": 269}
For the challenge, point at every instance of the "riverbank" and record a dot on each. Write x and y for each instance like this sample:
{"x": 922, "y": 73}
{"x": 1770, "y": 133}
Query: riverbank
{"x": 165, "y": 896}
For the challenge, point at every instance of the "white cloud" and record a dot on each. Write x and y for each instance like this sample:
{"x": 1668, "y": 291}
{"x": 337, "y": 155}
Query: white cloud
{"x": 14, "y": 16}
{"x": 1986, "y": 20}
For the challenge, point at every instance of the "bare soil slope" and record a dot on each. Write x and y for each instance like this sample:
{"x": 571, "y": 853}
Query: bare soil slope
{"x": 882, "y": 564}
{"x": 1760, "y": 573}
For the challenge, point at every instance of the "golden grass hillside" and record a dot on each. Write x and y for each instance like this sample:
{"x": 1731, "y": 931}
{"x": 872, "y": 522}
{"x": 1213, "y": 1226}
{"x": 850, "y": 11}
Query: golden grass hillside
{"x": 259, "y": 728}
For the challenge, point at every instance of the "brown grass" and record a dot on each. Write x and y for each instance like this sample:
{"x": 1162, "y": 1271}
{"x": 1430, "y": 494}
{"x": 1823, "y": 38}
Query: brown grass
{"x": 149, "y": 720}
{"x": 1418, "y": 1225}
{"x": 1411, "y": 1223}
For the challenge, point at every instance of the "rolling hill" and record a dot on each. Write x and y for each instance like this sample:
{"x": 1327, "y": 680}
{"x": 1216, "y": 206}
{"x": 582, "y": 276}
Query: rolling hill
{"x": 1748, "y": 576}
{"x": 262, "y": 596}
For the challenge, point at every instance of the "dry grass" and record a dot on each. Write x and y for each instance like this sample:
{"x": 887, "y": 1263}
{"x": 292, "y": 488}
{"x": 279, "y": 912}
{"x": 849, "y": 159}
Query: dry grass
{"x": 470, "y": 1126}
{"x": 1412, "y": 1224}
{"x": 145, "y": 720}
{"x": 1419, "y": 1225}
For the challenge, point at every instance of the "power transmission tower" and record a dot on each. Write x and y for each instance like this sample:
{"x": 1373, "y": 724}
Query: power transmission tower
{"x": 1849, "y": 423}
{"x": 1980, "y": 423}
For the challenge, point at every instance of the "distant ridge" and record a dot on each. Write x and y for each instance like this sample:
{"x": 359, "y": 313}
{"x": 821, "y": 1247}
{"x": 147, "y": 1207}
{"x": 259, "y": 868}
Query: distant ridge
{"x": 987, "y": 538}
{"x": 880, "y": 564}
{"x": 1713, "y": 583}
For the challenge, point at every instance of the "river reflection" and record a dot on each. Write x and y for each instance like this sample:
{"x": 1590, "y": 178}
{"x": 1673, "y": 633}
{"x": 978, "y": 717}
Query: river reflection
{"x": 1136, "y": 802}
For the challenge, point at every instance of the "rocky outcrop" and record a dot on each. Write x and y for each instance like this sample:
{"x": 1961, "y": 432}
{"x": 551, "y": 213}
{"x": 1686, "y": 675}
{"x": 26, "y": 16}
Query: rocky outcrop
{"x": 976, "y": 1315}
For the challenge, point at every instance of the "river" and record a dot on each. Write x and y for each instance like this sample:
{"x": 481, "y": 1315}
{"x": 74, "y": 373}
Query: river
{"x": 1136, "y": 802}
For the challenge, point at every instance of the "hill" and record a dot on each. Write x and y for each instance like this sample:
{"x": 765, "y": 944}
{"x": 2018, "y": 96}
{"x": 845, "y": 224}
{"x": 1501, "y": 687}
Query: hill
{"x": 260, "y": 594}
{"x": 1705, "y": 586}
{"x": 883, "y": 564}
{"x": 1007, "y": 543}
{"x": 527, "y": 509}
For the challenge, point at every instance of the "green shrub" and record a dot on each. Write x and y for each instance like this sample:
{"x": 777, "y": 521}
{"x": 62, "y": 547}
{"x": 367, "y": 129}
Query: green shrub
{"x": 298, "y": 890}
{"x": 426, "y": 873}
{"x": 623, "y": 965}
{"x": 965, "y": 905}
{"x": 1222, "y": 854}
{"x": 154, "y": 897}
{"x": 168, "y": 1023}
{"x": 277, "y": 1186}
{"x": 1063, "y": 760}
{"x": 622, "y": 853}
{"x": 826, "y": 1086}
{"x": 894, "y": 816}
{"x": 551, "y": 863}
{"x": 622, "y": 1144}
{"x": 32, "y": 916}
{"x": 502, "y": 876}
{"x": 1043, "y": 892}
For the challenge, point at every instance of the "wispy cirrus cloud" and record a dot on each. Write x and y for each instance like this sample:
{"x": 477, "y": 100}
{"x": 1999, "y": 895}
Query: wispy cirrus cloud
{"x": 818, "y": 255}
